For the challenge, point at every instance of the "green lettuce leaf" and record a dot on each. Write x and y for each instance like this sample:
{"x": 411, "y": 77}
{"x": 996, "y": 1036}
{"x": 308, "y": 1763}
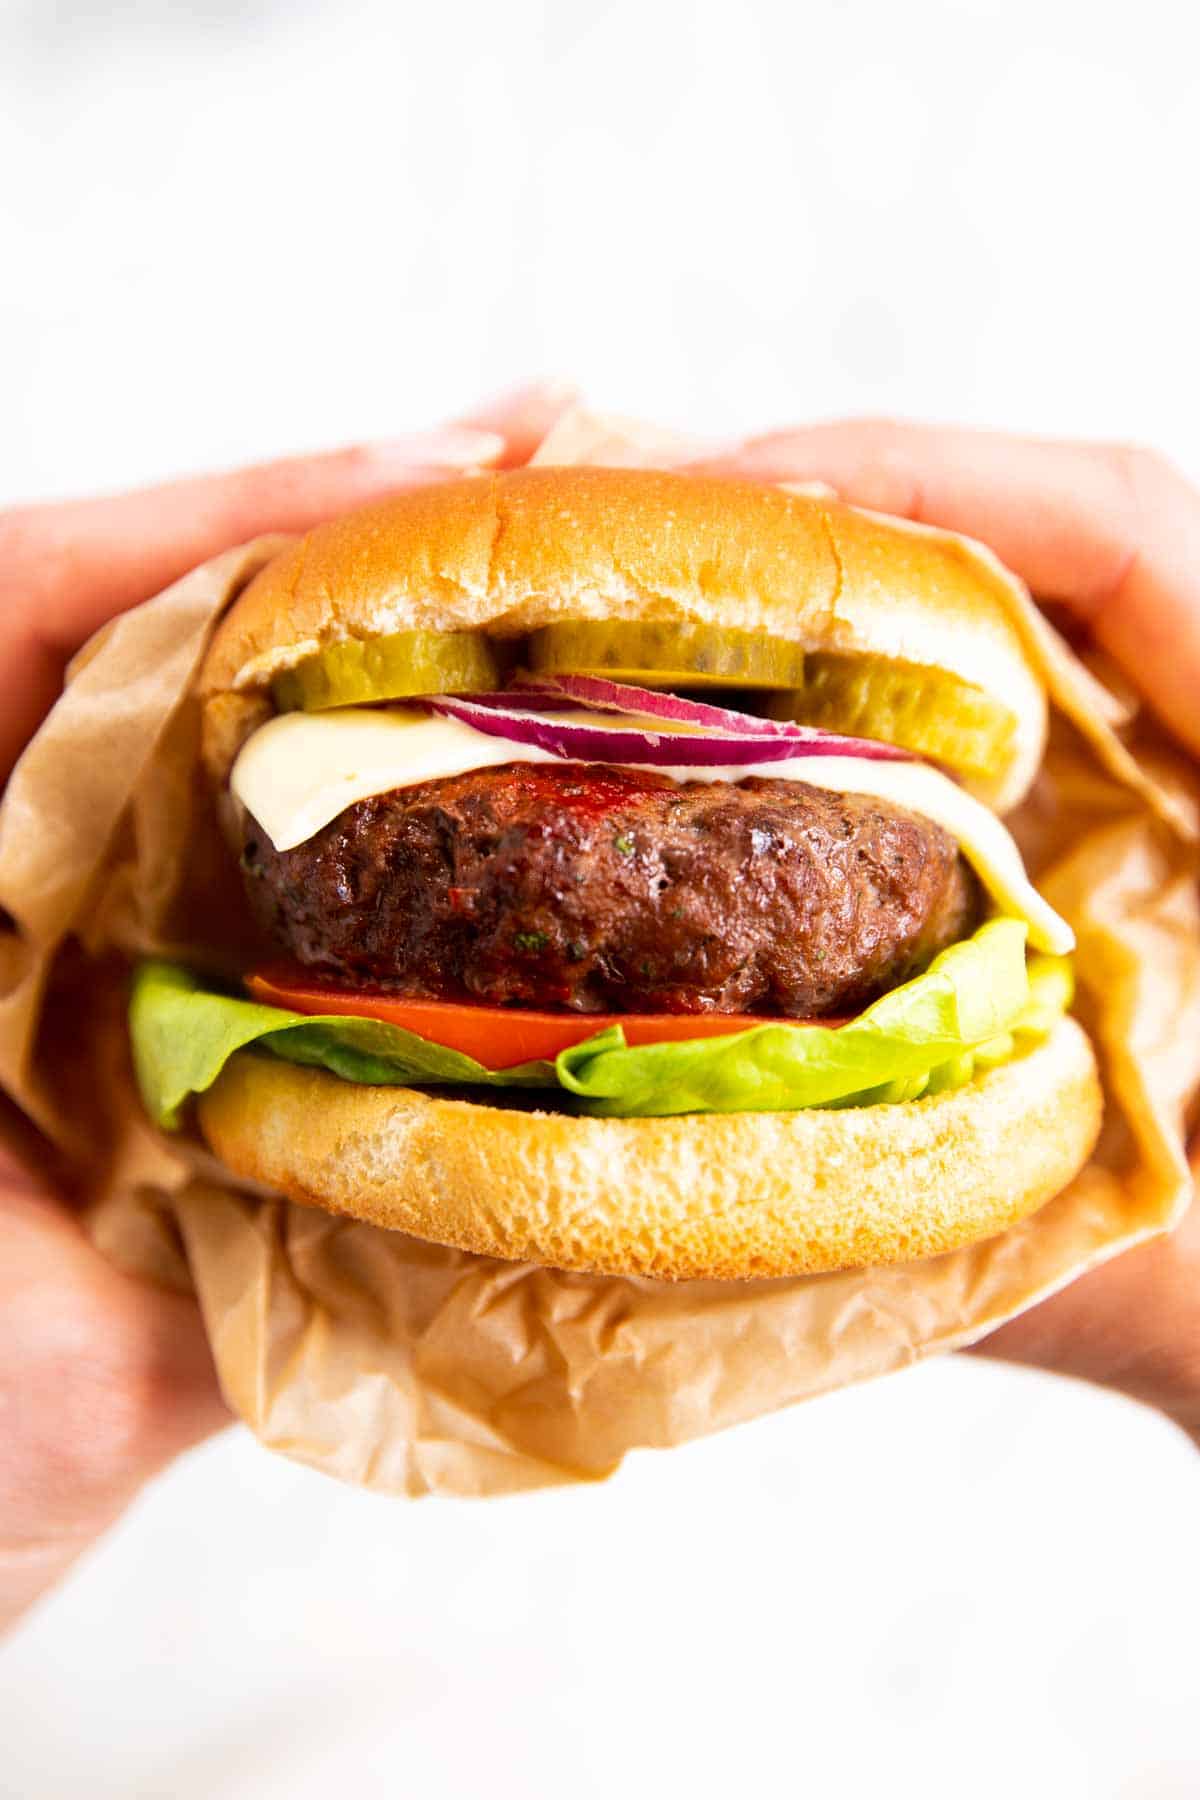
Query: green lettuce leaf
{"x": 183, "y": 1035}
{"x": 971, "y": 994}
{"x": 965, "y": 1012}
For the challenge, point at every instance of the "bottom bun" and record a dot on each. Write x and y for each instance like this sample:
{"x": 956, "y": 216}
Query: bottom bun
{"x": 727, "y": 1196}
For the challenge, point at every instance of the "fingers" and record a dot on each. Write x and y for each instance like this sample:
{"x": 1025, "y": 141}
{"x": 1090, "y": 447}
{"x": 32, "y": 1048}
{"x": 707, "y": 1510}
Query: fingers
{"x": 66, "y": 569}
{"x": 1112, "y": 532}
{"x": 1132, "y": 1325}
{"x": 523, "y": 417}
{"x": 1055, "y": 512}
{"x": 103, "y": 1380}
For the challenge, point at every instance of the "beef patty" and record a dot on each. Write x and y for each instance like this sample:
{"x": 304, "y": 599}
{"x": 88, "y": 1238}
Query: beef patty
{"x": 609, "y": 890}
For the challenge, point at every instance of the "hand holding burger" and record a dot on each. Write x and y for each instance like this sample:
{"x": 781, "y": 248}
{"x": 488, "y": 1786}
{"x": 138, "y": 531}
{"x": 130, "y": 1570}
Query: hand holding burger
{"x": 1113, "y": 533}
{"x": 105, "y": 1379}
{"x": 127, "y": 1365}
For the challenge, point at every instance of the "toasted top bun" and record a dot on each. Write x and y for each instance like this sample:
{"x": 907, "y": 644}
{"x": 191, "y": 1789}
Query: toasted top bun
{"x": 512, "y": 552}
{"x": 708, "y": 1195}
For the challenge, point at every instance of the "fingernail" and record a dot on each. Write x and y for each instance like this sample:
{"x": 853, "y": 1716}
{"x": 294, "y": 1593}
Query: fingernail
{"x": 809, "y": 490}
{"x": 449, "y": 447}
{"x": 714, "y": 455}
{"x": 718, "y": 449}
{"x": 552, "y": 391}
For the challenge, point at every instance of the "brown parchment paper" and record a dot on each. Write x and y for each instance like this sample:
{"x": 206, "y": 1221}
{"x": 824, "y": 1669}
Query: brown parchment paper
{"x": 412, "y": 1368}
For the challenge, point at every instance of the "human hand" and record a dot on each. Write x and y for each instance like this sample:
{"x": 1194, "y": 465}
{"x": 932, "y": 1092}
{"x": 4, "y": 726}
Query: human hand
{"x": 1112, "y": 533}
{"x": 104, "y": 1379}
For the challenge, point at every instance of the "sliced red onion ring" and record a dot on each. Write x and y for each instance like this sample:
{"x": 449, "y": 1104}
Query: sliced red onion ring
{"x": 618, "y": 696}
{"x": 577, "y": 741}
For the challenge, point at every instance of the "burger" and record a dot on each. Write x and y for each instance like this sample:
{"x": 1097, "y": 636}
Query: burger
{"x": 625, "y": 858}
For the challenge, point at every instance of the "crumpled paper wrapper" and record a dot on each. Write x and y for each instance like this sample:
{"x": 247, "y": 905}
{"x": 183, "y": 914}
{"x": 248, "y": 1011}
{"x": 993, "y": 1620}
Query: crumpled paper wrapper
{"x": 412, "y": 1368}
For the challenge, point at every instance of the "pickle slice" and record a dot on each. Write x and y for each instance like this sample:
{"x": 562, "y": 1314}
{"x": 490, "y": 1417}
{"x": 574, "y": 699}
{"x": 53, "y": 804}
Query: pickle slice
{"x": 926, "y": 710}
{"x": 359, "y": 670}
{"x": 650, "y": 654}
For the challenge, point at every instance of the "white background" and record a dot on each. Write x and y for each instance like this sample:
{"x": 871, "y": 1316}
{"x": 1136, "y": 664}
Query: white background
{"x": 232, "y": 229}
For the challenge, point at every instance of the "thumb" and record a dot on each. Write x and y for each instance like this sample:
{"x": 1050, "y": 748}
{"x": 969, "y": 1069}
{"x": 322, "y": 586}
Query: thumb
{"x": 66, "y": 569}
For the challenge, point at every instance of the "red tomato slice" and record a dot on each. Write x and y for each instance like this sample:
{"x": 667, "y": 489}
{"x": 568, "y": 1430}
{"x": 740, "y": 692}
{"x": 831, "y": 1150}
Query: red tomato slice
{"x": 499, "y": 1037}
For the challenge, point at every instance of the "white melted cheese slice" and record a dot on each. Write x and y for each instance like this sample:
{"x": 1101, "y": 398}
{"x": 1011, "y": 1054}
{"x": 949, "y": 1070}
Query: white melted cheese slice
{"x": 300, "y": 770}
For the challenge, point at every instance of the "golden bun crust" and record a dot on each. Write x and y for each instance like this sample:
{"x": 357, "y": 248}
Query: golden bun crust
{"x": 515, "y": 551}
{"x": 728, "y": 1196}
